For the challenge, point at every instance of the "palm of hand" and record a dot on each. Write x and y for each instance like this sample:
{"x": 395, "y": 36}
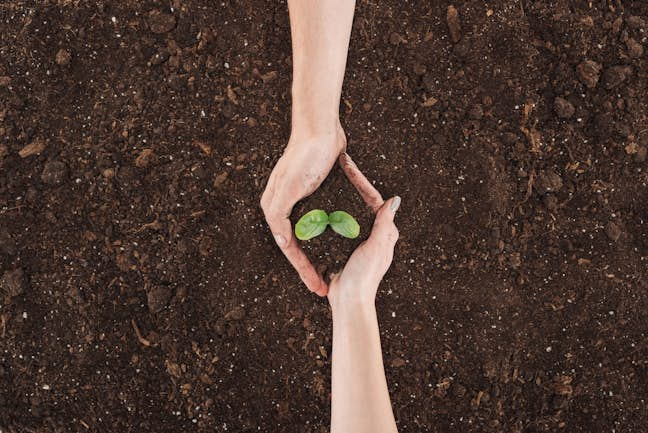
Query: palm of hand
{"x": 302, "y": 169}
{"x": 358, "y": 281}
{"x": 298, "y": 173}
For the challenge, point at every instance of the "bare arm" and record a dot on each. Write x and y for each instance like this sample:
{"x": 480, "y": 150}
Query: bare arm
{"x": 360, "y": 398}
{"x": 320, "y": 39}
{"x": 320, "y": 32}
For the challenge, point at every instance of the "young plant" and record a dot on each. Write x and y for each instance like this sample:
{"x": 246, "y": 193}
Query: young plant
{"x": 313, "y": 224}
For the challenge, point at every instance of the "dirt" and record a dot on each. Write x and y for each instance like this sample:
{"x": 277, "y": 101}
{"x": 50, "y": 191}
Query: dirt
{"x": 142, "y": 292}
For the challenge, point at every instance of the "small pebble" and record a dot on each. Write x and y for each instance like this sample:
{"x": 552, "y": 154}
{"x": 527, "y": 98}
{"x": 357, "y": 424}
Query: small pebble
{"x": 589, "y": 73}
{"x": 613, "y": 231}
{"x": 563, "y": 108}
{"x": 54, "y": 173}
{"x": 13, "y": 283}
{"x": 454, "y": 23}
{"x": 63, "y": 57}
{"x": 160, "y": 22}
{"x": 635, "y": 49}
{"x": 548, "y": 181}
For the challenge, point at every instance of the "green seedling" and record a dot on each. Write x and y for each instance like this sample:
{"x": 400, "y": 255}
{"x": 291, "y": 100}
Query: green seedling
{"x": 344, "y": 224}
{"x": 313, "y": 224}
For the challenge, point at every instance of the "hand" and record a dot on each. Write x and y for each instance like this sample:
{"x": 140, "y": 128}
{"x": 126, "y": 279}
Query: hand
{"x": 358, "y": 282}
{"x": 360, "y": 397}
{"x": 298, "y": 173}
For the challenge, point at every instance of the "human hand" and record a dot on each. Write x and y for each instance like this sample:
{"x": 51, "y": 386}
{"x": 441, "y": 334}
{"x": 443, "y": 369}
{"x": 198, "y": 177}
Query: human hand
{"x": 305, "y": 163}
{"x": 358, "y": 282}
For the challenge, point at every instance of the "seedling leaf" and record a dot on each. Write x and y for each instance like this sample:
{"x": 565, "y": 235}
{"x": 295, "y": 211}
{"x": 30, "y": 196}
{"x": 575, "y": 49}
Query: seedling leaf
{"x": 344, "y": 224}
{"x": 311, "y": 225}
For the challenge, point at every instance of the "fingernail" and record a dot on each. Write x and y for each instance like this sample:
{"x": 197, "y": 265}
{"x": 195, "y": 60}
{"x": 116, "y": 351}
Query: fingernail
{"x": 395, "y": 204}
{"x": 280, "y": 240}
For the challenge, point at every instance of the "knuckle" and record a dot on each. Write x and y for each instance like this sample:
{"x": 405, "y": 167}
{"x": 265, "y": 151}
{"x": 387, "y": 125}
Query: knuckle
{"x": 269, "y": 210}
{"x": 271, "y": 219}
{"x": 264, "y": 202}
{"x": 391, "y": 234}
{"x": 267, "y": 214}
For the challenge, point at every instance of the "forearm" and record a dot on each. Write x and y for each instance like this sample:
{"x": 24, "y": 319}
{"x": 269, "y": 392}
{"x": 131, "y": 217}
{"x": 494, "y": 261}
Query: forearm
{"x": 320, "y": 39}
{"x": 360, "y": 398}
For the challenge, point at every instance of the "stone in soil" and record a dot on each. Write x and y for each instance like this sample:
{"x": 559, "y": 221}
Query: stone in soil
{"x": 63, "y": 57}
{"x": 615, "y": 75}
{"x": 635, "y": 49}
{"x": 613, "y": 231}
{"x": 158, "y": 297}
{"x": 36, "y": 147}
{"x": 589, "y": 73}
{"x": 160, "y": 57}
{"x": 236, "y": 314}
{"x": 640, "y": 156}
{"x": 463, "y": 48}
{"x": 551, "y": 202}
{"x": 548, "y": 181}
{"x": 457, "y": 390}
{"x": 7, "y": 244}
{"x": 54, "y": 173}
{"x": 636, "y": 22}
{"x": 476, "y": 112}
{"x": 429, "y": 81}
{"x": 220, "y": 179}
{"x": 13, "y": 283}
{"x": 160, "y": 22}
{"x": 419, "y": 68}
{"x": 454, "y": 24}
{"x": 144, "y": 158}
{"x": 396, "y": 39}
{"x": 563, "y": 108}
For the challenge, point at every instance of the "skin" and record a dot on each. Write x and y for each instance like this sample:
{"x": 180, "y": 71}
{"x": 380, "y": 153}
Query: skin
{"x": 320, "y": 38}
{"x": 360, "y": 400}
{"x": 320, "y": 32}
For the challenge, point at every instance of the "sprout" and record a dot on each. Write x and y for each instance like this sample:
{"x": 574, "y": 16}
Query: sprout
{"x": 313, "y": 224}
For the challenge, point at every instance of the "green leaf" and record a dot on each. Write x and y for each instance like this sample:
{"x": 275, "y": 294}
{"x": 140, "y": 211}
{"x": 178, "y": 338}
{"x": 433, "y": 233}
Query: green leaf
{"x": 312, "y": 224}
{"x": 344, "y": 224}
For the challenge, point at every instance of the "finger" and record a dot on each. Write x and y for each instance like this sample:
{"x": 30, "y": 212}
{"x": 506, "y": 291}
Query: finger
{"x": 283, "y": 235}
{"x": 298, "y": 259}
{"x": 369, "y": 193}
{"x": 384, "y": 233}
{"x": 277, "y": 206}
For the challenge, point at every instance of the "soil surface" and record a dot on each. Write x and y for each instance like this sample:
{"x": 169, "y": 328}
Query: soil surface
{"x": 140, "y": 290}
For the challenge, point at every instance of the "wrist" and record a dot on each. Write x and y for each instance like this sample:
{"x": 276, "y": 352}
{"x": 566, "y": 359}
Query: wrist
{"x": 313, "y": 115}
{"x": 327, "y": 137}
{"x": 353, "y": 308}
{"x": 307, "y": 124}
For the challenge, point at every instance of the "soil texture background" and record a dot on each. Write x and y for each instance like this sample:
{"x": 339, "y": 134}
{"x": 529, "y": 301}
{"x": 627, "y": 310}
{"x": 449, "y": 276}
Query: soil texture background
{"x": 141, "y": 291}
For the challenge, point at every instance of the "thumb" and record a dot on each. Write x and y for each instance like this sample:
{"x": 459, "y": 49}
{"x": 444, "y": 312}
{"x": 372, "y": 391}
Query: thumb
{"x": 384, "y": 233}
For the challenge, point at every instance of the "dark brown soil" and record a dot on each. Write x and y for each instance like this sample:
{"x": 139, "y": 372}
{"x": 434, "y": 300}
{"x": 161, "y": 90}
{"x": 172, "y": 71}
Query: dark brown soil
{"x": 141, "y": 291}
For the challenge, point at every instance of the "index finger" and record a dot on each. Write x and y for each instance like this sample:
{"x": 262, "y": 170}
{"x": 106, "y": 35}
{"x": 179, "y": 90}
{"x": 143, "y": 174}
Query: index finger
{"x": 367, "y": 191}
{"x": 285, "y": 239}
